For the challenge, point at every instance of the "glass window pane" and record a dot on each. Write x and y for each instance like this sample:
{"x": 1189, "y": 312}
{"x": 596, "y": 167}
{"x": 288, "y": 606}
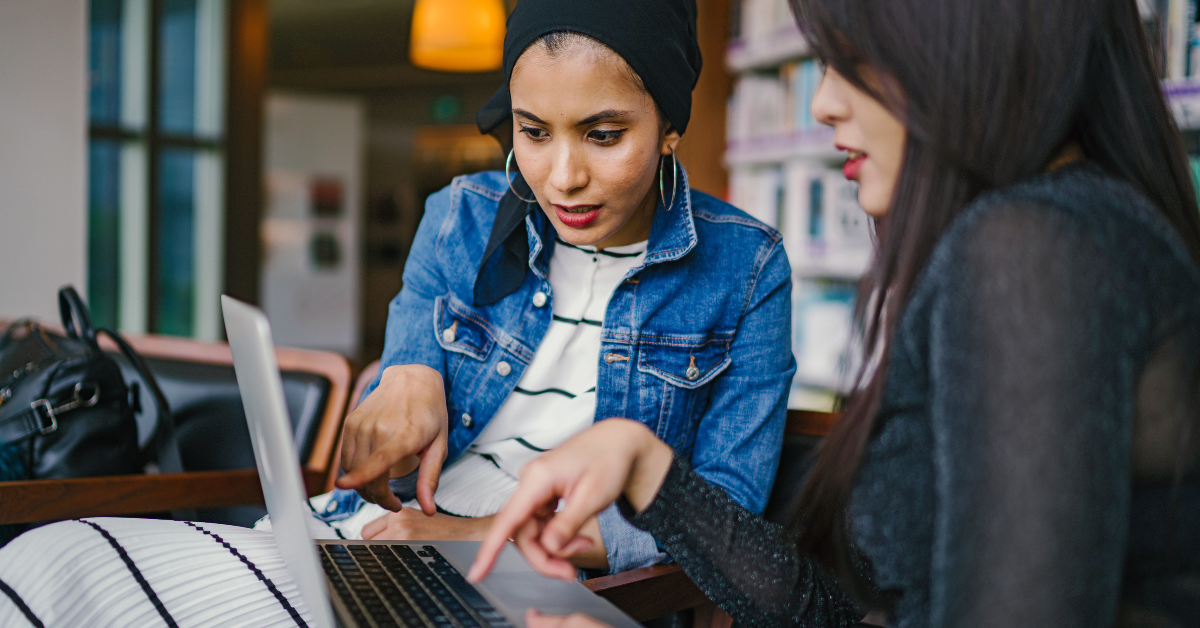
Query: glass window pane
{"x": 177, "y": 67}
{"x": 175, "y": 294}
{"x": 104, "y": 232}
{"x": 105, "y": 61}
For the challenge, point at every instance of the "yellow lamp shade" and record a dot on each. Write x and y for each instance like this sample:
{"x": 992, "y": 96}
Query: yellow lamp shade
{"x": 458, "y": 35}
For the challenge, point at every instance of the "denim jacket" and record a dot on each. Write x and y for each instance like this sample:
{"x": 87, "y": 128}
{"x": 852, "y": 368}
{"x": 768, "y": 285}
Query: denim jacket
{"x": 695, "y": 345}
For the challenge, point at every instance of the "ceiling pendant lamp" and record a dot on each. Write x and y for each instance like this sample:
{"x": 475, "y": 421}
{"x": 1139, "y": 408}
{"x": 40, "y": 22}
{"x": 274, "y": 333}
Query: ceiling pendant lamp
{"x": 458, "y": 35}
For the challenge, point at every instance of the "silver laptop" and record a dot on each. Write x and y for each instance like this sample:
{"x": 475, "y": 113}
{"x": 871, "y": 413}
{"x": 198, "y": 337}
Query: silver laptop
{"x": 377, "y": 583}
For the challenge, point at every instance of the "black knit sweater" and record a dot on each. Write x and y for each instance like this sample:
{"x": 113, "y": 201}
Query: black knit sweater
{"x": 1041, "y": 397}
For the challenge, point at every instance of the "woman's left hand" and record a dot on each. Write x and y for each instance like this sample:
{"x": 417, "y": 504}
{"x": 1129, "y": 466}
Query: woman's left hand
{"x": 534, "y": 619}
{"x": 411, "y": 524}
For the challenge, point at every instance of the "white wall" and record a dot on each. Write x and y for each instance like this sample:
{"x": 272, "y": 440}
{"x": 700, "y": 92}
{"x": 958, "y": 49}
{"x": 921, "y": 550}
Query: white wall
{"x": 310, "y": 138}
{"x": 43, "y": 154}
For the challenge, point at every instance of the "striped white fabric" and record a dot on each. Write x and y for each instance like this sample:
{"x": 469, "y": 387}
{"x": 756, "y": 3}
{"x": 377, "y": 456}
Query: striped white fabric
{"x": 556, "y": 397}
{"x": 125, "y": 573}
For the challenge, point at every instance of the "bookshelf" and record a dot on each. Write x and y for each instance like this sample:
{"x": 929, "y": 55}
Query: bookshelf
{"x": 784, "y": 170}
{"x": 767, "y": 51}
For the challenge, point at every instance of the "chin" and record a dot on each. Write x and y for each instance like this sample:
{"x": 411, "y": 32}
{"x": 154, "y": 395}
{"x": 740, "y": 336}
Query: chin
{"x": 873, "y": 206}
{"x": 587, "y": 236}
{"x": 579, "y": 237}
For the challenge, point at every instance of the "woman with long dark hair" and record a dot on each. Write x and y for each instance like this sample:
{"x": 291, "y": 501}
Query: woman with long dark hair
{"x": 1022, "y": 446}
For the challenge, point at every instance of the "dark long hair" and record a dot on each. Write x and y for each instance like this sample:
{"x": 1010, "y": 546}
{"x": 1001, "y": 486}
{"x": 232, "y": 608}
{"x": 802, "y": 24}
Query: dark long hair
{"x": 990, "y": 92}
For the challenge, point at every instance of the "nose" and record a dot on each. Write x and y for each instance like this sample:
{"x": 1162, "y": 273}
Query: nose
{"x": 567, "y": 172}
{"x": 828, "y": 105}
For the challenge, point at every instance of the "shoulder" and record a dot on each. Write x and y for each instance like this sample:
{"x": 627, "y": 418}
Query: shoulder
{"x": 456, "y": 226}
{"x": 725, "y": 232}
{"x": 1072, "y": 226}
{"x": 1066, "y": 208}
{"x": 467, "y": 207}
{"x": 715, "y": 214}
{"x": 468, "y": 193}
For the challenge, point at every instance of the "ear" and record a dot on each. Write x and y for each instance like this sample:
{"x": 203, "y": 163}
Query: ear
{"x": 670, "y": 141}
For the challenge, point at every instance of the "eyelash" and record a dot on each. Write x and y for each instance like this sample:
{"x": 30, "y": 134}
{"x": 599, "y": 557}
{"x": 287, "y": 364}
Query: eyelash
{"x": 529, "y": 132}
{"x": 610, "y": 136}
{"x": 602, "y": 137}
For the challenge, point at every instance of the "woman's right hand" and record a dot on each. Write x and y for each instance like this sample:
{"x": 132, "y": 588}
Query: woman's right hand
{"x": 588, "y": 472}
{"x": 404, "y": 417}
{"x": 534, "y": 619}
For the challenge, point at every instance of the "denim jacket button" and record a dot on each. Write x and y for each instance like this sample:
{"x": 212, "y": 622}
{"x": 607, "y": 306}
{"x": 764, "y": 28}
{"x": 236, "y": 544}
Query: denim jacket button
{"x": 450, "y": 334}
{"x": 692, "y": 373}
{"x": 467, "y": 421}
{"x": 539, "y": 299}
{"x": 503, "y": 368}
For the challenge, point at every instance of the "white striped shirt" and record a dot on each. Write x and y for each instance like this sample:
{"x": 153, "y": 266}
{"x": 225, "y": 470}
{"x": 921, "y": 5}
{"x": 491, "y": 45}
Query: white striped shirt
{"x": 556, "y": 396}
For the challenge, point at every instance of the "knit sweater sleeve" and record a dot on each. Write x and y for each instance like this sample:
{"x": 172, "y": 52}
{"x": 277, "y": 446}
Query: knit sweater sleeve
{"x": 750, "y": 567}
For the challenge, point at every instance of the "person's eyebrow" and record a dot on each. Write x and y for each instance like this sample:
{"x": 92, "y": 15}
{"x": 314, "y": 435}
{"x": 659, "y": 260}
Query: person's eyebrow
{"x": 526, "y": 114}
{"x": 607, "y": 114}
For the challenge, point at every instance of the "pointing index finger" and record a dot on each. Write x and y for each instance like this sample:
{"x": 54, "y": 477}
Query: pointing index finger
{"x": 521, "y": 507}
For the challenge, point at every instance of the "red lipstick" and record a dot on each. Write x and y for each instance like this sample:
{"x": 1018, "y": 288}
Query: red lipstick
{"x": 577, "y": 216}
{"x": 854, "y": 163}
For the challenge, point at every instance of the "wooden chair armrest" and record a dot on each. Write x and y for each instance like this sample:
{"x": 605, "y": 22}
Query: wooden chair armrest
{"x": 649, "y": 592}
{"x": 811, "y": 422}
{"x": 36, "y": 501}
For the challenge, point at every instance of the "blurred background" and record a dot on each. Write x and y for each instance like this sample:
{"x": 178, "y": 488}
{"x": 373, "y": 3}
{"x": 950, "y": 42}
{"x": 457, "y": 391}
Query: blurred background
{"x": 159, "y": 153}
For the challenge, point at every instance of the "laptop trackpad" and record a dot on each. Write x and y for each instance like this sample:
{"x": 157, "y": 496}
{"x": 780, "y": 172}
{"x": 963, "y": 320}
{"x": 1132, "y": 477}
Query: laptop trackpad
{"x": 522, "y": 591}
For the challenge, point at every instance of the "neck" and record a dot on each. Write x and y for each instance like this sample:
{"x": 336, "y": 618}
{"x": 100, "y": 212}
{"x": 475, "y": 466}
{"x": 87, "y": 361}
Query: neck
{"x": 1070, "y": 154}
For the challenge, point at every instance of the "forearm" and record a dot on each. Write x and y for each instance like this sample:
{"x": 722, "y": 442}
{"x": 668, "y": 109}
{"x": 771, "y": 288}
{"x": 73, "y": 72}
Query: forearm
{"x": 756, "y": 574}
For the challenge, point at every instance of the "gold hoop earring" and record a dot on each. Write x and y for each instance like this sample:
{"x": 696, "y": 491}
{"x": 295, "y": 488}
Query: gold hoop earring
{"x": 507, "y": 167}
{"x": 674, "y": 179}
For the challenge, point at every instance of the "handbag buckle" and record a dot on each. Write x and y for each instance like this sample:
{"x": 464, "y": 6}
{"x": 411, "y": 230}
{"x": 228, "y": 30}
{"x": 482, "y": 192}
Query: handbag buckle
{"x": 45, "y": 414}
{"x": 42, "y": 408}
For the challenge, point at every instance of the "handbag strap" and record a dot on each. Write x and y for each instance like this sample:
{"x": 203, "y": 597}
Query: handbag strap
{"x": 42, "y": 415}
{"x": 24, "y": 323}
{"x": 75, "y": 317}
{"x": 165, "y": 443}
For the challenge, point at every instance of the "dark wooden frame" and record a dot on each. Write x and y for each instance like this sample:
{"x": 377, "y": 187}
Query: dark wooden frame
{"x": 53, "y": 500}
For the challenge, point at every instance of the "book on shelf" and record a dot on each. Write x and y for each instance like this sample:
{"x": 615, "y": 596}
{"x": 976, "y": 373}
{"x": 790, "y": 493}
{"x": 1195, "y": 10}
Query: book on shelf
{"x": 825, "y": 232}
{"x": 815, "y": 209}
{"x": 775, "y": 104}
{"x": 822, "y": 331}
{"x": 756, "y": 20}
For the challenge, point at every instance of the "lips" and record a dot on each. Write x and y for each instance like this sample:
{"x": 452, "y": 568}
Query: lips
{"x": 577, "y": 216}
{"x": 854, "y": 163}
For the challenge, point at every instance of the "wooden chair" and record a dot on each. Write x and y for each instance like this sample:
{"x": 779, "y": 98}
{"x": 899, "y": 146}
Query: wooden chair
{"x": 52, "y": 500}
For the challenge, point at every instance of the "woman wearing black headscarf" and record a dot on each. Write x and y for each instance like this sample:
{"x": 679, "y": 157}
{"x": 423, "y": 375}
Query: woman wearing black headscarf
{"x": 586, "y": 282}
{"x": 665, "y": 332}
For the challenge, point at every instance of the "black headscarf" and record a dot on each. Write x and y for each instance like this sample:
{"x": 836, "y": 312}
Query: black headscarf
{"x": 657, "y": 38}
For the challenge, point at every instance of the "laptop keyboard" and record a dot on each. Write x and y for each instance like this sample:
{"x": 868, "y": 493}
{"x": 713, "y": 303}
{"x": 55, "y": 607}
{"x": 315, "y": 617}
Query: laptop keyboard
{"x": 389, "y": 586}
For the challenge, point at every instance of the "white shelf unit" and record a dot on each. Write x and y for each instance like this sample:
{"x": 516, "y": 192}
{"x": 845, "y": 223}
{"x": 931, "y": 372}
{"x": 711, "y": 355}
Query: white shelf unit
{"x": 785, "y": 171}
{"x": 808, "y": 144}
{"x": 772, "y": 50}
{"x": 1184, "y": 98}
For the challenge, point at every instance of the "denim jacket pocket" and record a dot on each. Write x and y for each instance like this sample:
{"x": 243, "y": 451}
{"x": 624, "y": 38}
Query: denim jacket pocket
{"x": 459, "y": 328}
{"x": 686, "y": 361}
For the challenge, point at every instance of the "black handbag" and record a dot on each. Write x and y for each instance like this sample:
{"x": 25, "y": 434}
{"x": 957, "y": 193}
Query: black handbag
{"x": 66, "y": 411}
